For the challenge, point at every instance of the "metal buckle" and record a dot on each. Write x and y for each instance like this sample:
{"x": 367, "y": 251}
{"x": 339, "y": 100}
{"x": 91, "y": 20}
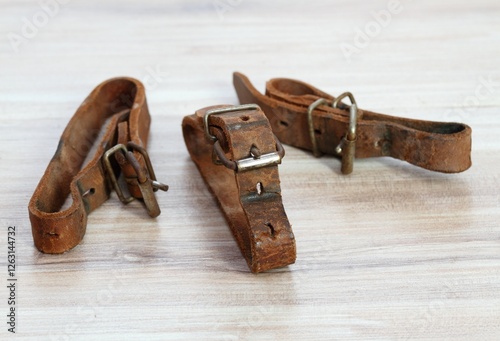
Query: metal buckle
{"x": 256, "y": 160}
{"x": 347, "y": 146}
{"x": 147, "y": 184}
{"x": 310, "y": 110}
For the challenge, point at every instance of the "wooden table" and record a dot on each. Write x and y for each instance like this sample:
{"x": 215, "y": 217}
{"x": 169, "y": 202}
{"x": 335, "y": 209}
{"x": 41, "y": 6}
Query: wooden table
{"x": 390, "y": 252}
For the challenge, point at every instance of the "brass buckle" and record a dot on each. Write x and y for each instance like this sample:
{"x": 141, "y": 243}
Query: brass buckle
{"x": 147, "y": 184}
{"x": 256, "y": 159}
{"x": 347, "y": 146}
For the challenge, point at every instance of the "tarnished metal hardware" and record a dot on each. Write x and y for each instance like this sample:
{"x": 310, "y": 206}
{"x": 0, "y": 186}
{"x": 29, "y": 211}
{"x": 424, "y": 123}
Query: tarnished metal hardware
{"x": 111, "y": 173}
{"x": 347, "y": 146}
{"x": 156, "y": 185}
{"x": 314, "y": 105}
{"x": 224, "y": 111}
{"x": 145, "y": 180}
{"x": 256, "y": 159}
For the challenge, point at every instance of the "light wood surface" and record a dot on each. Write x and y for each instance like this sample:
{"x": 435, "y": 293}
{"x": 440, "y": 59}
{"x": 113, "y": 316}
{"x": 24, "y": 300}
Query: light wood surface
{"x": 391, "y": 252}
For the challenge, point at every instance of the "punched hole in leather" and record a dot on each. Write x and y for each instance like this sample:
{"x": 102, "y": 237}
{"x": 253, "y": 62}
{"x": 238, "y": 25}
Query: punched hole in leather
{"x": 308, "y": 118}
{"x": 238, "y": 157}
{"x": 118, "y": 102}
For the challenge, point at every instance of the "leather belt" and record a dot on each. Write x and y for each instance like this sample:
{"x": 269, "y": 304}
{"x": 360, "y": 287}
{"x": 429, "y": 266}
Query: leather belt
{"x": 115, "y": 120}
{"x": 238, "y": 155}
{"x": 308, "y": 118}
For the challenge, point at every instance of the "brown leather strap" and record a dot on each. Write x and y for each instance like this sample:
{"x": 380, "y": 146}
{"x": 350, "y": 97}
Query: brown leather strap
{"x": 115, "y": 110}
{"x": 442, "y": 147}
{"x": 246, "y": 184}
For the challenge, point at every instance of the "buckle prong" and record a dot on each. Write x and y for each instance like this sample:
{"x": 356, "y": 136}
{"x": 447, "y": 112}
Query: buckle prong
{"x": 347, "y": 146}
{"x": 256, "y": 159}
{"x": 111, "y": 173}
{"x": 147, "y": 183}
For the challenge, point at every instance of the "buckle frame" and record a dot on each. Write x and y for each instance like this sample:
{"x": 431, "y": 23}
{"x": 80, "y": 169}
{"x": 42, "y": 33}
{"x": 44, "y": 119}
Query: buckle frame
{"x": 256, "y": 160}
{"x": 147, "y": 183}
{"x": 347, "y": 146}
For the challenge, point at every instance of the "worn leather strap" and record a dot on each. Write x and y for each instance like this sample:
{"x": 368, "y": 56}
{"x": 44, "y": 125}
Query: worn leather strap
{"x": 247, "y": 188}
{"x": 115, "y": 111}
{"x": 437, "y": 146}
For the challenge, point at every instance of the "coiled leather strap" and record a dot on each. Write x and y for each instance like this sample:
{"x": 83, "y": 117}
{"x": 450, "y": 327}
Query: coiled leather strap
{"x": 114, "y": 120}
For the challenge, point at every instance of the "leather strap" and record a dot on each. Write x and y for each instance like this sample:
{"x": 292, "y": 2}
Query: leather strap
{"x": 115, "y": 111}
{"x": 437, "y": 146}
{"x": 238, "y": 158}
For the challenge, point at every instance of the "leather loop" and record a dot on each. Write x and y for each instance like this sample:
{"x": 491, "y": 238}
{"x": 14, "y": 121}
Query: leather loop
{"x": 437, "y": 146}
{"x": 250, "y": 198}
{"x": 118, "y": 102}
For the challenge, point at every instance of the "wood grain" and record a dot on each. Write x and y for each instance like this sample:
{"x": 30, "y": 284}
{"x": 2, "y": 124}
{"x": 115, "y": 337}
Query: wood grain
{"x": 391, "y": 252}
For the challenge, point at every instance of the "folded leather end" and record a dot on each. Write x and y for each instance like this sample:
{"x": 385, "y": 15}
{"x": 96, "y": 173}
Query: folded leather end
{"x": 57, "y": 234}
{"x": 441, "y": 147}
{"x": 458, "y": 159}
